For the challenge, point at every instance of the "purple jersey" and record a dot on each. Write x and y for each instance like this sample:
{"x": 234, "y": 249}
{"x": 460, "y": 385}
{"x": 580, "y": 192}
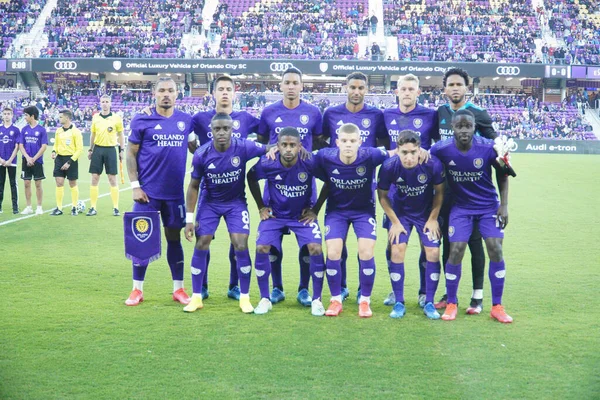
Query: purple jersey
{"x": 306, "y": 118}
{"x": 223, "y": 174}
{"x": 290, "y": 189}
{"x": 422, "y": 120}
{"x": 244, "y": 124}
{"x": 369, "y": 120}
{"x": 469, "y": 174}
{"x": 162, "y": 154}
{"x": 33, "y": 139}
{"x": 350, "y": 186}
{"x": 8, "y": 138}
{"x": 414, "y": 186}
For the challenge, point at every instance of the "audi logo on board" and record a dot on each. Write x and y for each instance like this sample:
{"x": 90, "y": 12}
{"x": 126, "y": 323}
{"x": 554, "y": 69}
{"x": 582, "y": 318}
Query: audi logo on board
{"x": 65, "y": 65}
{"x": 508, "y": 70}
{"x": 280, "y": 66}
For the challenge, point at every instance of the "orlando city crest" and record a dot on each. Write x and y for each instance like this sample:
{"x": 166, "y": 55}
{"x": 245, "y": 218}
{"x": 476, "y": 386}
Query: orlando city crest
{"x": 422, "y": 178}
{"x": 235, "y": 161}
{"x": 366, "y": 122}
{"x": 418, "y": 122}
{"x": 181, "y": 126}
{"x": 141, "y": 228}
{"x": 361, "y": 170}
{"x": 478, "y": 163}
{"x": 302, "y": 177}
{"x": 236, "y": 124}
{"x": 304, "y": 119}
{"x": 451, "y": 231}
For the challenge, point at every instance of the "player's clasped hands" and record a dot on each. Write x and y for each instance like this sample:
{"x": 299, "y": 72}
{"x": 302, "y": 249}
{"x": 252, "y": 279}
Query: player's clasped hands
{"x": 139, "y": 196}
{"x": 308, "y": 216}
{"x": 266, "y": 213}
{"x": 395, "y": 231}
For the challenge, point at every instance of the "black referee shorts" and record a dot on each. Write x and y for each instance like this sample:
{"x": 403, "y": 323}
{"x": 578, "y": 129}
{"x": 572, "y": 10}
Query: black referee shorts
{"x": 71, "y": 174}
{"x": 104, "y": 157}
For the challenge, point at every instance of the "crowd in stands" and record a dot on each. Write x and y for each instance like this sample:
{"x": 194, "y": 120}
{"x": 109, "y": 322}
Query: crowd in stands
{"x": 16, "y": 17}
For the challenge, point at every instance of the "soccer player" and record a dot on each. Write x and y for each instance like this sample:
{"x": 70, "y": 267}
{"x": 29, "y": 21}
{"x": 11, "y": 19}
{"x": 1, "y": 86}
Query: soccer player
{"x": 348, "y": 172}
{"x": 290, "y": 208}
{"x": 156, "y": 158}
{"x": 306, "y": 118}
{"x": 221, "y": 167}
{"x": 68, "y": 145}
{"x": 456, "y": 84}
{"x": 469, "y": 161}
{"x": 417, "y": 202}
{"x": 32, "y": 144}
{"x": 9, "y": 135}
{"x": 106, "y": 132}
{"x": 368, "y": 119}
{"x": 244, "y": 124}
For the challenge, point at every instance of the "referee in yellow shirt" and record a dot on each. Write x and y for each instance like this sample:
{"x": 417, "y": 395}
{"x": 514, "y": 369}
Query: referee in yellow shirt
{"x": 68, "y": 145}
{"x": 106, "y": 129}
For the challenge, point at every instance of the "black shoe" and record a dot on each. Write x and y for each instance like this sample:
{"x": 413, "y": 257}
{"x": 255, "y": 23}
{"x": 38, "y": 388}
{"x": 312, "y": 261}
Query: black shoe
{"x": 91, "y": 212}
{"x": 15, "y": 210}
{"x": 116, "y": 212}
{"x": 56, "y": 212}
{"x": 74, "y": 211}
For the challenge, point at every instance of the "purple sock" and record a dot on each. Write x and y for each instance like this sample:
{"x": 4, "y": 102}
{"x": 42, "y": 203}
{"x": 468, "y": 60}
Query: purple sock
{"x": 334, "y": 276}
{"x": 343, "y": 266}
{"x": 244, "y": 266}
{"x": 304, "y": 261}
{"x": 397, "y": 278}
{"x": 497, "y": 272}
{"x": 367, "y": 276}
{"x": 205, "y": 281}
{"x": 175, "y": 259}
{"x": 422, "y": 266}
{"x": 433, "y": 279}
{"x": 262, "y": 267}
{"x": 139, "y": 269}
{"x": 275, "y": 259}
{"x": 317, "y": 270}
{"x": 199, "y": 263}
{"x": 233, "y": 275}
{"x": 453, "y": 273}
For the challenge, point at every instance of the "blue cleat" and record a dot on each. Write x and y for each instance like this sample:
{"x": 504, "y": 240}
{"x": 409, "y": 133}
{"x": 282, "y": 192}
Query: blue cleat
{"x": 304, "y": 298}
{"x": 234, "y": 293}
{"x": 204, "y": 293}
{"x": 390, "y": 300}
{"x": 430, "y": 311}
{"x": 398, "y": 311}
{"x": 421, "y": 300}
{"x": 277, "y": 296}
{"x": 345, "y": 293}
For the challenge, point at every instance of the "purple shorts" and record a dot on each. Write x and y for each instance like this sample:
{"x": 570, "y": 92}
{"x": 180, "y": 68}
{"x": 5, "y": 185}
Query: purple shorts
{"x": 172, "y": 212}
{"x": 337, "y": 224}
{"x": 270, "y": 231}
{"x": 461, "y": 224}
{"x": 209, "y": 215}
{"x": 408, "y": 223}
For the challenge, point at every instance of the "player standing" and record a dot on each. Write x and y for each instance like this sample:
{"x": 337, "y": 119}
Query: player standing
{"x": 33, "y": 143}
{"x": 9, "y": 136}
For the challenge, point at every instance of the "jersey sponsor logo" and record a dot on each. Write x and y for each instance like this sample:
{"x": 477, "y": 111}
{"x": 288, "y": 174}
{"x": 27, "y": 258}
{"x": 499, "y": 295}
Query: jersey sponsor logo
{"x": 158, "y": 127}
{"x": 422, "y": 178}
{"x": 278, "y": 119}
{"x": 417, "y": 123}
{"x": 142, "y": 228}
{"x": 478, "y": 163}
{"x": 509, "y": 70}
{"x": 280, "y": 66}
{"x": 211, "y": 166}
{"x": 65, "y": 65}
{"x": 452, "y": 163}
{"x": 278, "y": 178}
{"x": 304, "y": 119}
{"x": 302, "y": 177}
{"x": 335, "y": 172}
{"x": 361, "y": 170}
{"x": 181, "y": 126}
{"x": 235, "y": 161}
{"x": 366, "y": 122}
{"x": 236, "y": 124}
{"x": 5, "y": 139}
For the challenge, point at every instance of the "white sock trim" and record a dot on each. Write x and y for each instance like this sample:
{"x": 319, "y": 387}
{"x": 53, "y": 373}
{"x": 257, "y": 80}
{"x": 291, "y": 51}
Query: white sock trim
{"x": 177, "y": 285}
{"x": 365, "y": 298}
{"x": 139, "y": 285}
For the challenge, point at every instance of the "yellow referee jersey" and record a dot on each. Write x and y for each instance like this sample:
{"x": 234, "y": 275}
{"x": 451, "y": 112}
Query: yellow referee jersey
{"x": 105, "y": 129}
{"x": 68, "y": 142}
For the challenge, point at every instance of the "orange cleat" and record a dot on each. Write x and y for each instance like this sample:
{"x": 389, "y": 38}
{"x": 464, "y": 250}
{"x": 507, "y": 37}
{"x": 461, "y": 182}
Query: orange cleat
{"x": 450, "y": 313}
{"x": 181, "y": 296}
{"x": 335, "y": 308}
{"x": 135, "y": 298}
{"x": 442, "y": 303}
{"x": 364, "y": 310}
{"x": 499, "y": 314}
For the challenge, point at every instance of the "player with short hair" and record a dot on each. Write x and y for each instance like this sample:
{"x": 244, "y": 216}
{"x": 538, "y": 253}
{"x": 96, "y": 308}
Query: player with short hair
{"x": 290, "y": 208}
{"x": 220, "y": 165}
{"x": 348, "y": 172}
{"x": 68, "y": 146}
{"x": 156, "y": 158}
{"x": 292, "y": 111}
{"x": 106, "y": 132}
{"x": 9, "y": 136}
{"x": 416, "y": 202}
{"x": 469, "y": 160}
{"x": 32, "y": 144}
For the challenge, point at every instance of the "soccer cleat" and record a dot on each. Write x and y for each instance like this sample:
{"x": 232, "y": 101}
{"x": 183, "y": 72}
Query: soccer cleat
{"x": 364, "y": 310}
{"x": 430, "y": 311}
{"x": 181, "y": 296}
{"x": 204, "y": 293}
{"x": 443, "y": 303}
{"x": 234, "y": 293}
{"x": 475, "y": 307}
{"x": 263, "y": 307}
{"x": 56, "y": 212}
{"x": 421, "y": 300}
{"x": 27, "y": 210}
{"x": 116, "y": 212}
{"x": 450, "y": 313}
{"x": 499, "y": 314}
{"x": 345, "y": 293}
{"x": 74, "y": 211}
{"x": 398, "y": 311}
{"x": 317, "y": 308}
{"x": 39, "y": 211}
{"x": 358, "y": 294}
{"x": 246, "y": 306}
{"x": 91, "y": 212}
{"x": 277, "y": 295}
{"x": 304, "y": 298}
{"x": 195, "y": 303}
{"x": 16, "y": 211}
{"x": 390, "y": 300}
{"x": 135, "y": 298}
{"x": 335, "y": 308}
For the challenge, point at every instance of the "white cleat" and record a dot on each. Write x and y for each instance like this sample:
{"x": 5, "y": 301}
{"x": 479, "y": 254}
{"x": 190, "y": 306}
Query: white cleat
{"x": 39, "y": 211}
{"x": 316, "y": 308}
{"x": 27, "y": 211}
{"x": 263, "y": 307}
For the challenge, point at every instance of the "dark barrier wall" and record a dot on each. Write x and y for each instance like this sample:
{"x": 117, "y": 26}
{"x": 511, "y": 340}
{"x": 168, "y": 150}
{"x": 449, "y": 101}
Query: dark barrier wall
{"x": 558, "y": 146}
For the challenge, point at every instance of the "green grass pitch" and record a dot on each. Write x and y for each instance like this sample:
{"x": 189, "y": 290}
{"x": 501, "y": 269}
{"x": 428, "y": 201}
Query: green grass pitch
{"x": 65, "y": 332}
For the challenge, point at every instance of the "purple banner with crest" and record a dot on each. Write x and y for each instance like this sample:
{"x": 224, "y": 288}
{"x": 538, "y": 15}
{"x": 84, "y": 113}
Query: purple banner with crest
{"x": 142, "y": 235}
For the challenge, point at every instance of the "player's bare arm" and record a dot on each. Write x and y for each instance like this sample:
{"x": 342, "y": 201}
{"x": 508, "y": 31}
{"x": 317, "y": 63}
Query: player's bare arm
{"x": 265, "y": 212}
{"x": 432, "y": 225}
{"x": 502, "y": 180}
{"x": 139, "y": 196}
{"x": 191, "y": 199}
